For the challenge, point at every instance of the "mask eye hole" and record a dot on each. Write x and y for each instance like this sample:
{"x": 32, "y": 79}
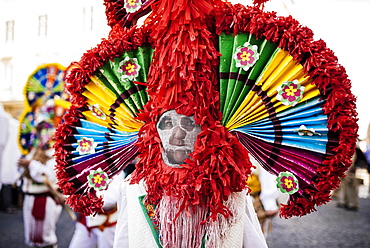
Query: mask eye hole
{"x": 187, "y": 123}
{"x": 165, "y": 123}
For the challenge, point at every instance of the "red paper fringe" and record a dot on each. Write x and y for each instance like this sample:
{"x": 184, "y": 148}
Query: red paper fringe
{"x": 183, "y": 77}
{"x": 259, "y": 2}
{"x": 115, "y": 12}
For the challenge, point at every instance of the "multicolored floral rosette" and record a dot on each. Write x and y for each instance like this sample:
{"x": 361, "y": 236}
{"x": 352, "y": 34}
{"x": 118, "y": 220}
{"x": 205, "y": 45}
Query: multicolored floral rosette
{"x": 45, "y": 104}
{"x": 257, "y": 84}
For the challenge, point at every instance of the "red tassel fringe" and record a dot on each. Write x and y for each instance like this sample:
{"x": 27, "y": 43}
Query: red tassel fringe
{"x": 183, "y": 77}
{"x": 184, "y": 67}
{"x": 115, "y": 12}
{"x": 258, "y": 3}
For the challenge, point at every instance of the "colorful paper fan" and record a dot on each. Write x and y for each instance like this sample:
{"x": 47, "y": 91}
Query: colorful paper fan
{"x": 104, "y": 133}
{"x": 275, "y": 110}
{"x": 45, "y": 100}
{"x": 282, "y": 94}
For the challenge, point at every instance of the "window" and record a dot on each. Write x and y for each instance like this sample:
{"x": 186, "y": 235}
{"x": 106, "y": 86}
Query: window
{"x": 9, "y": 37}
{"x": 88, "y": 18}
{"x": 43, "y": 25}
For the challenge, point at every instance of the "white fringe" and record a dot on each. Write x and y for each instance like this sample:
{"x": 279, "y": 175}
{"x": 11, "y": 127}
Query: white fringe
{"x": 227, "y": 231}
{"x": 187, "y": 232}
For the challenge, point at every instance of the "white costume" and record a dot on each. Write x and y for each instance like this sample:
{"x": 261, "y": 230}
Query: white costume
{"x": 8, "y": 163}
{"x": 9, "y": 155}
{"x": 98, "y": 231}
{"x": 40, "y": 211}
{"x": 268, "y": 195}
{"x": 3, "y": 131}
{"x": 134, "y": 228}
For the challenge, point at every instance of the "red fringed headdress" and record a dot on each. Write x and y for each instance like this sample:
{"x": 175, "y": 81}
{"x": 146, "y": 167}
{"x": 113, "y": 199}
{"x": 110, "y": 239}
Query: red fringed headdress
{"x": 233, "y": 68}
{"x": 183, "y": 76}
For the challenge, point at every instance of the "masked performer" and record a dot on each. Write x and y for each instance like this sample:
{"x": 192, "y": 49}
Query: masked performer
{"x": 42, "y": 202}
{"x": 193, "y": 93}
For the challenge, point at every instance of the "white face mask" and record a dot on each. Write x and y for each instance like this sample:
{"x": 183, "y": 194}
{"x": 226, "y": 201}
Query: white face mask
{"x": 178, "y": 134}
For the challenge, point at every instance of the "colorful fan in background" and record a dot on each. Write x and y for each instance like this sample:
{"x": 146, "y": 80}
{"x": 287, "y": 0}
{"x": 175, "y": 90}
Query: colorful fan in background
{"x": 45, "y": 101}
{"x": 282, "y": 94}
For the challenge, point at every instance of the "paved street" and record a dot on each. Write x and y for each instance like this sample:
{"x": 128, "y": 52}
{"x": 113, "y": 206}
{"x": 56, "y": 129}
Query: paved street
{"x": 11, "y": 230}
{"x": 328, "y": 227}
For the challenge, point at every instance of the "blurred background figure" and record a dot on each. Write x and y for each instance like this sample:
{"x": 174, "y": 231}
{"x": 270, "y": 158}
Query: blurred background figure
{"x": 98, "y": 231}
{"x": 348, "y": 191}
{"x": 41, "y": 206}
{"x": 265, "y": 196}
{"x": 9, "y": 154}
{"x": 367, "y": 155}
{"x": 130, "y": 168}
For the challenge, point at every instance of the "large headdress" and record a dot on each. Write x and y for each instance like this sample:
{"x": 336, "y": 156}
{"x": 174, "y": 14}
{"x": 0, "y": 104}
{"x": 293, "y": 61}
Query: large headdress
{"x": 45, "y": 103}
{"x": 254, "y": 83}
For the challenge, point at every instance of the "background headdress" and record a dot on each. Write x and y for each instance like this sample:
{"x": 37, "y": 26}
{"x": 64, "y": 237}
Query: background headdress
{"x": 256, "y": 83}
{"x": 45, "y": 102}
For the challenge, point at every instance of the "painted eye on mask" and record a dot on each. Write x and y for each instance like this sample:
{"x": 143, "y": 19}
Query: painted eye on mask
{"x": 186, "y": 123}
{"x": 165, "y": 123}
{"x": 168, "y": 124}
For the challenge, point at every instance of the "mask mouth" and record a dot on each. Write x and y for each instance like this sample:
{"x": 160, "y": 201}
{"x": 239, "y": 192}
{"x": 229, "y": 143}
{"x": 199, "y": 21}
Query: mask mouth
{"x": 177, "y": 157}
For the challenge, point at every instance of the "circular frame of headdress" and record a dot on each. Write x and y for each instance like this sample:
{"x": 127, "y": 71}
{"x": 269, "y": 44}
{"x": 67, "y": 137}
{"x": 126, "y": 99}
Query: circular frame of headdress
{"x": 117, "y": 98}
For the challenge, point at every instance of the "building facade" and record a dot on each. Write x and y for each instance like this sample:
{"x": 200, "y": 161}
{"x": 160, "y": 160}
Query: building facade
{"x": 37, "y": 32}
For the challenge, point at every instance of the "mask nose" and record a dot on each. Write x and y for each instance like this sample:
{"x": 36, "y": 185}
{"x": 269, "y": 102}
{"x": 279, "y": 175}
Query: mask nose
{"x": 177, "y": 137}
